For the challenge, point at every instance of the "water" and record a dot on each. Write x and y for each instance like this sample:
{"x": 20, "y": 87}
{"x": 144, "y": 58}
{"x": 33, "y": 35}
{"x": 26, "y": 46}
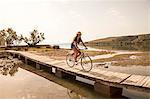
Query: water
{"x": 66, "y": 45}
{"x": 27, "y": 85}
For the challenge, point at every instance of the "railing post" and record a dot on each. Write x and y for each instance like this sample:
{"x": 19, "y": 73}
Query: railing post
{"x": 26, "y": 61}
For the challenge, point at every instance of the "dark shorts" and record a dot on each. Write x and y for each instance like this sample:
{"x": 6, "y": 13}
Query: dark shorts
{"x": 72, "y": 46}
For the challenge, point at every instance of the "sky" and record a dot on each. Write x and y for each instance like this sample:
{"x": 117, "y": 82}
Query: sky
{"x": 60, "y": 20}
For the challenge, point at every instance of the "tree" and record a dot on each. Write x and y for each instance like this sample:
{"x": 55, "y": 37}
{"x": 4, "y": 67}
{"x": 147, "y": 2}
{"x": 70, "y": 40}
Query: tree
{"x": 9, "y": 35}
{"x": 20, "y": 39}
{"x": 35, "y": 38}
{"x": 2, "y": 41}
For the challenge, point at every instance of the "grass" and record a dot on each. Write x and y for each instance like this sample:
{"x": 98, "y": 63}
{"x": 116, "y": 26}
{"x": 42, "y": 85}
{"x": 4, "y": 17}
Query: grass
{"x": 60, "y": 54}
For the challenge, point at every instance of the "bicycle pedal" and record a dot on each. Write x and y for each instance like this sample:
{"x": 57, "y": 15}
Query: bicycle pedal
{"x": 76, "y": 63}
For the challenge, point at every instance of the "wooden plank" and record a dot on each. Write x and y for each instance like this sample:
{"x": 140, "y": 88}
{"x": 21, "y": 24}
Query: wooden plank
{"x": 109, "y": 76}
{"x": 103, "y": 75}
{"x": 118, "y": 77}
{"x": 46, "y": 60}
{"x": 86, "y": 74}
{"x": 115, "y": 77}
{"x": 97, "y": 75}
{"x": 53, "y": 62}
{"x": 142, "y": 82}
{"x": 97, "y": 71}
{"x": 61, "y": 65}
{"x": 134, "y": 80}
{"x": 147, "y": 83}
{"x": 73, "y": 70}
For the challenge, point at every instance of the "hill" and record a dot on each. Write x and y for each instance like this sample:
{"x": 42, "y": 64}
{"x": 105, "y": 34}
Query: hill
{"x": 123, "y": 41}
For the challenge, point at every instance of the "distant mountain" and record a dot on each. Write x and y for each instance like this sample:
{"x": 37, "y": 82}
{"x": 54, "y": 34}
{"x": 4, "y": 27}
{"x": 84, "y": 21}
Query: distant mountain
{"x": 138, "y": 40}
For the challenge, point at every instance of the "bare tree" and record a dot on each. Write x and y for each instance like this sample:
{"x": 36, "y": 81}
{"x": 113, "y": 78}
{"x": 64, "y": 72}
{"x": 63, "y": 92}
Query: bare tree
{"x": 35, "y": 38}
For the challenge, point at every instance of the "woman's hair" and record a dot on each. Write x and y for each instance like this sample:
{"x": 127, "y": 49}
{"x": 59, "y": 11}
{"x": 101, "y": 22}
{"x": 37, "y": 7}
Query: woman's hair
{"x": 78, "y": 33}
{"x": 77, "y": 39}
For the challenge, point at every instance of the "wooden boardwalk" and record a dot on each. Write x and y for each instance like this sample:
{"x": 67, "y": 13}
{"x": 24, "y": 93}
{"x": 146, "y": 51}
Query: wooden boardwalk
{"x": 107, "y": 78}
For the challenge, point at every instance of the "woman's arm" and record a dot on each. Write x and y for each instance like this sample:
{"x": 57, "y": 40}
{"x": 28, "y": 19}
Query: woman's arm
{"x": 83, "y": 44}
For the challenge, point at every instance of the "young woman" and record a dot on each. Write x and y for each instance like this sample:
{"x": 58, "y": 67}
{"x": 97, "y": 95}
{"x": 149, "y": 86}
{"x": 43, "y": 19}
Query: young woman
{"x": 74, "y": 45}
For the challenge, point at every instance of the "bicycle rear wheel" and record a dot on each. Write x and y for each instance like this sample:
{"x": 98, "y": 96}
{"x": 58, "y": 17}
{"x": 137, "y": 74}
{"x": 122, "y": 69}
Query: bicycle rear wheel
{"x": 86, "y": 63}
{"x": 70, "y": 60}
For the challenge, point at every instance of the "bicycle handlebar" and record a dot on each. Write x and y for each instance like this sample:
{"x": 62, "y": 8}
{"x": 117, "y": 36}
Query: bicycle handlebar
{"x": 84, "y": 49}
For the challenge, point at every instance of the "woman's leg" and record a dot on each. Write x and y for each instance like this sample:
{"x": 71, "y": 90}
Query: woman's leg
{"x": 75, "y": 53}
{"x": 79, "y": 53}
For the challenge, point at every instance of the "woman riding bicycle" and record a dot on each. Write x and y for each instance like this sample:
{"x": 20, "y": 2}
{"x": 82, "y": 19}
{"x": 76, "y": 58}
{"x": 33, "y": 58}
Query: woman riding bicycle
{"x": 74, "y": 45}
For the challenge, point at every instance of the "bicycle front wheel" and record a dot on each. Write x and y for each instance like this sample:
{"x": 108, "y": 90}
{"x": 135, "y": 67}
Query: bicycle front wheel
{"x": 86, "y": 63}
{"x": 70, "y": 60}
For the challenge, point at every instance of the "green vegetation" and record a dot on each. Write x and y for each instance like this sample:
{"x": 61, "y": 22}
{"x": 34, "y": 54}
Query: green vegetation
{"x": 123, "y": 40}
{"x": 137, "y": 42}
{"x": 10, "y": 37}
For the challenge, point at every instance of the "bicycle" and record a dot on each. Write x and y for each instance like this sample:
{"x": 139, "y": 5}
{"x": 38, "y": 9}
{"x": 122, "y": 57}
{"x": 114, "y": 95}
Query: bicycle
{"x": 83, "y": 59}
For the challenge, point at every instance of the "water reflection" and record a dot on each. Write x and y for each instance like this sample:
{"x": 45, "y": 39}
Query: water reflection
{"x": 73, "y": 95}
{"x": 11, "y": 70}
{"x": 8, "y": 67}
{"x": 127, "y": 47}
{"x": 73, "y": 89}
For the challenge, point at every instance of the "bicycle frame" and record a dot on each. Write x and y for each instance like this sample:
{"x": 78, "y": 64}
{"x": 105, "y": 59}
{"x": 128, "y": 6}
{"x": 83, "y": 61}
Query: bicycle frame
{"x": 80, "y": 57}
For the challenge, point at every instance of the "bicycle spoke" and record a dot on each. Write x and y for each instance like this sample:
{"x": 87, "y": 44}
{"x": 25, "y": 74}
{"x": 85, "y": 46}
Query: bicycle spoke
{"x": 86, "y": 63}
{"x": 70, "y": 60}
